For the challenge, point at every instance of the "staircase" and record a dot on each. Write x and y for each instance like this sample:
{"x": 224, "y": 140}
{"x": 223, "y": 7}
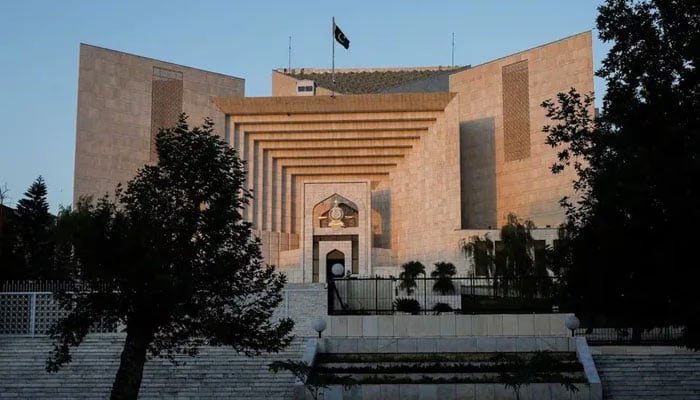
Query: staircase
{"x": 649, "y": 376}
{"x": 216, "y": 373}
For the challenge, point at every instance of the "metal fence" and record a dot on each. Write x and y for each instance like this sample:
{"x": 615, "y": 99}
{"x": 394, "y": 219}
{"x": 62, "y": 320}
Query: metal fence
{"x": 35, "y": 286}
{"x": 379, "y": 295}
{"x": 669, "y": 335}
{"x": 30, "y": 308}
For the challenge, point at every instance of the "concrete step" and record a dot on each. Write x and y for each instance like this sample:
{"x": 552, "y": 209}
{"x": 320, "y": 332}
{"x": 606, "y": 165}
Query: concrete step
{"x": 216, "y": 373}
{"x": 649, "y": 376}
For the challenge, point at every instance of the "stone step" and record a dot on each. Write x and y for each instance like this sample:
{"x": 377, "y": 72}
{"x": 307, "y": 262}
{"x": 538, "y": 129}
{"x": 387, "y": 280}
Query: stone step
{"x": 649, "y": 376}
{"x": 216, "y": 373}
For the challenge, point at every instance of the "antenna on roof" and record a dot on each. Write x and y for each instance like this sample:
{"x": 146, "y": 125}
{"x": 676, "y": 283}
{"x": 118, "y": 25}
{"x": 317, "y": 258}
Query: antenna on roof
{"x": 453, "y": 49}
{"x": 290, "y": 54}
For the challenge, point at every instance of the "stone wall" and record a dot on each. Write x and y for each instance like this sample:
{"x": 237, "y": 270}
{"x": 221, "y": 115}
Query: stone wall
{"x": 425, "y": 203}
{"x": 449, "y": 325}
{"x": 303, "y": 304}
{"x": 114, "y": 133}
{"x": 498, "y": 174}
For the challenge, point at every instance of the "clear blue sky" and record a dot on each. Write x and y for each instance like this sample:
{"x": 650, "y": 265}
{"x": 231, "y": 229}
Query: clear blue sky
{"x": 39, "y": 43}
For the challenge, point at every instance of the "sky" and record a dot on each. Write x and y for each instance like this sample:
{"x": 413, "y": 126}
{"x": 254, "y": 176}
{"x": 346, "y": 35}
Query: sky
{"x": 39, "y": 43}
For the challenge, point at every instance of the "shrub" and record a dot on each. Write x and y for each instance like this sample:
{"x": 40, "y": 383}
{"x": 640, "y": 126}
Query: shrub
{"x": 442, "y": 307}
{"x": 407, "y": 305}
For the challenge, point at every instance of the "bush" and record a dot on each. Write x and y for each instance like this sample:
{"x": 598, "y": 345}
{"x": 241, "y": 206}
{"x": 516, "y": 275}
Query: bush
{"x": 442, "y": 307}
{"x": 407, "y": 305}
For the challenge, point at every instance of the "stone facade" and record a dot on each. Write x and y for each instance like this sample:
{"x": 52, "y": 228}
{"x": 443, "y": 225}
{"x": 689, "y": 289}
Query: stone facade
{"x": 495, "y": 183}
{"x": 122, "y": 101}
{"x": 421, "y": 170}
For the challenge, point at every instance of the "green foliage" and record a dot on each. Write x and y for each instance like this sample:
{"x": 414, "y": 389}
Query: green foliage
{"x": 516, "y": 371}
{"x": 312, "y": 382}
{"x": 172, "y": 259}
{"x": 480, "y": 251}
{"x": 408, "y": 276}
{"x": 516, "y": 265}
{"x": 513, "y": 265}
{"x": 443, "y": 274}
{"x": 637, "y": 169}
{"x": 408, "y": 305}
{"x": 30, "y": 236}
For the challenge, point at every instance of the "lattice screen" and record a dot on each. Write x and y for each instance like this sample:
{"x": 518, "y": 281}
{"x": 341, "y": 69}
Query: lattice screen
{"x": 516, "y": 111}
{"x": 18, "y": 318}
{"x": 47, "y": 312}
{"x": 14, "y": 314}
{"x": 166, "y": 102}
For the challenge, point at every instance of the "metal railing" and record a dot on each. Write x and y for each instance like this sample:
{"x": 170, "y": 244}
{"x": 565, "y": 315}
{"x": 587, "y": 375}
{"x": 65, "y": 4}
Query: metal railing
{"x": 669, "y": 335}
{"x": 379, "y": 295}
{"x": 35, "y": 286}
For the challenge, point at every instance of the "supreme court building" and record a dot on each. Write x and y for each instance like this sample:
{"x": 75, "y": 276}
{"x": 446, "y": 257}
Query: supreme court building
{"x": 398, "y": 165}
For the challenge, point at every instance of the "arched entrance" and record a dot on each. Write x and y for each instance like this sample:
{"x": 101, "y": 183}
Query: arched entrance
{"x": 332, "y": 258}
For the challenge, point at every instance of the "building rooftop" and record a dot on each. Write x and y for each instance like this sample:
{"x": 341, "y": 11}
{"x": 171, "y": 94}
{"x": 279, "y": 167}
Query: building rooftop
{"x": 367, "y": 81}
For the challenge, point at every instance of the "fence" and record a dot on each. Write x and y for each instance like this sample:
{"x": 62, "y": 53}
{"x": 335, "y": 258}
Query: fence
{"x": 30, "y": 308}
{"x": 35, "y": 286}
{"x": 428, "y": 295}
{"x": 669, "y": 335}
{"x": 33, "y": 313}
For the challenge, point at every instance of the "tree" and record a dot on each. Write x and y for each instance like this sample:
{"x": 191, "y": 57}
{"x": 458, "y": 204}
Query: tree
{"x": 637, "y": 169}
{"x": 480, "y": 251}
{"x": 443, "y": 273}
{"x": 33, "y": 245}
{"x": 513, "y": 265}
{"x": 8, "y": 260}
{"x": 517, "y": 264}
{"x": 172, "y": 260}
{"x": 517, "y": 260}
{"x": 408, "y": 276}
{"x": 4, "y": 190}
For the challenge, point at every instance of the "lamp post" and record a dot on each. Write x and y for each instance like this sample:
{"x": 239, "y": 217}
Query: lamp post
{"x": 572, "y": 323}
{"x": 319, "y": 325}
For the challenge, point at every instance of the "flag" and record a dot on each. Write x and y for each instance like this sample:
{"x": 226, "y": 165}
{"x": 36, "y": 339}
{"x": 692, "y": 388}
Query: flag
{"x": 340, "y": 36}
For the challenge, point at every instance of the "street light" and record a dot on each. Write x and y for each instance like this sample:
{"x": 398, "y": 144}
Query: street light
{"x": 338, "y": 270}
{"x": 319, "y": 325}
{"x": 572, "y": 323}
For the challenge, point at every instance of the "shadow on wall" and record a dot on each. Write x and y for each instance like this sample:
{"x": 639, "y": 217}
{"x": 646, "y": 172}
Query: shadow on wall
{"x": 381, "y": 218}
{"x": 477, "y": 158}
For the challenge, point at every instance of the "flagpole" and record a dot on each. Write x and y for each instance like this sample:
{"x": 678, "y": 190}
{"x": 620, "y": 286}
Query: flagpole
{"x": 333, "y": 57}
{"x": 290, "y": 54}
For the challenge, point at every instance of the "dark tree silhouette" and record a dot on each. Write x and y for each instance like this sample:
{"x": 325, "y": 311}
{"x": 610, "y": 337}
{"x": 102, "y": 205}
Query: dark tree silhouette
{"x": 638, "y": 168}
{"x": 33, "y": 243}
{"x": 171, "y": 259}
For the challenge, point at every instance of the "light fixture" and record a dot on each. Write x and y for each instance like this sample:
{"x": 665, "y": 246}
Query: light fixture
{"x": 319, "y": 325}
{"x": 338, "y": 270}
{"x": 572, "y": 323}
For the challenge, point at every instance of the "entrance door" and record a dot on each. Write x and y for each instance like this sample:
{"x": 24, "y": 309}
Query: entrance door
{"x": 334, "y": 257}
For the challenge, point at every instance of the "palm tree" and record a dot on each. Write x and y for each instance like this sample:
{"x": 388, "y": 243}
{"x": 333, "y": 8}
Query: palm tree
{"x": 408, "y": 276}
{"x": 444, "y": 271}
